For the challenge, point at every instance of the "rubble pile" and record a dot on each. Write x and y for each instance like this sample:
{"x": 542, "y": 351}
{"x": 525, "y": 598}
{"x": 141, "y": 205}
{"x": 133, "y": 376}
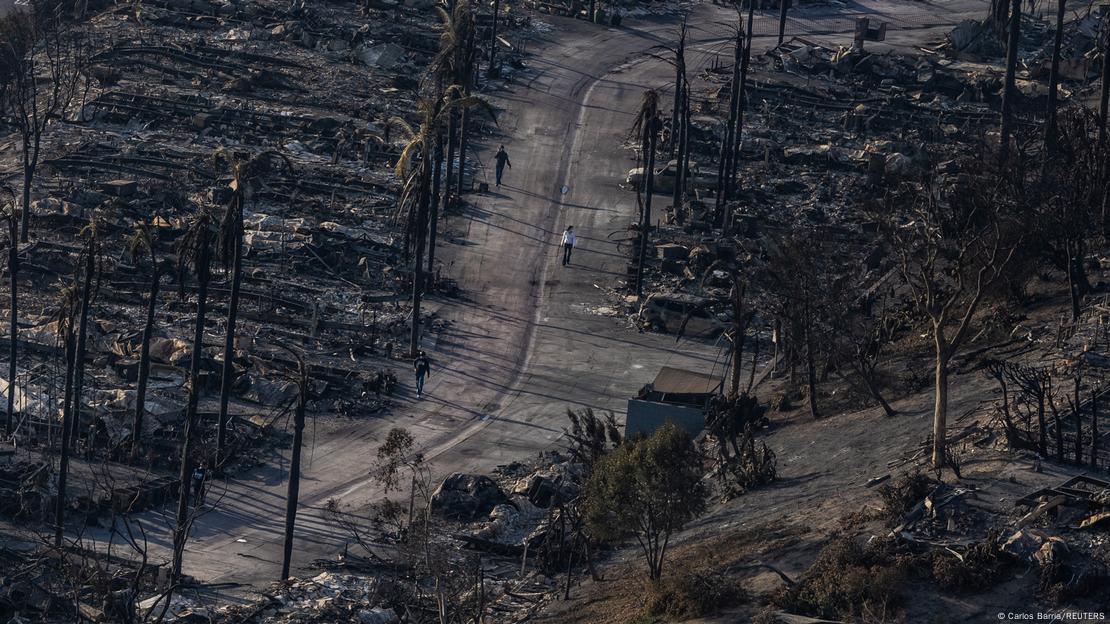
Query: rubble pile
{"x": 172, "y": 94}
{"x": 326, "y": 597}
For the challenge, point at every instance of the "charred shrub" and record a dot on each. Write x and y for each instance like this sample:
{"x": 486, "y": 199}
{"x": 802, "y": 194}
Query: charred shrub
{"x": 903, "y": 494}
{"x": 980, "y": 568}
{"x": 847, "y": 580}
{"x": 690, "y": 595}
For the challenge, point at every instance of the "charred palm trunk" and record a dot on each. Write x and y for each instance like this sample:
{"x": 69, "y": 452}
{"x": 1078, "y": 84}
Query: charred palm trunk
{"x": 180, "y": 533}
{"x": 448, "y": 177}
{"x": 418, "y": 262}
{"x": 1054, "y": 80}
{"x": 294, "y": 473}
{"x": 464, "y": 125}
{"x": 1008, "y": 92}
{"x": 144, "y": 366}
{"x": 232, "y": 314}
{"x": 82, "y": 333}
{"x": 433, "y": 218}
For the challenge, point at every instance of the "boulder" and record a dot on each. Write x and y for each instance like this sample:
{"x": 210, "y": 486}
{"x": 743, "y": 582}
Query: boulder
{"x": 467, "y": 497}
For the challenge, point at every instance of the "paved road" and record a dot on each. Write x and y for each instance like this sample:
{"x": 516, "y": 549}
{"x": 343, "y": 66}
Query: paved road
{"x": 523, "y": 344}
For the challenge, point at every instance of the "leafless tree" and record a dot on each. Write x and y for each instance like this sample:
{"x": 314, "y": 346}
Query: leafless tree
{"x": 953, "y": 245}
{"x": 46, "y": 56}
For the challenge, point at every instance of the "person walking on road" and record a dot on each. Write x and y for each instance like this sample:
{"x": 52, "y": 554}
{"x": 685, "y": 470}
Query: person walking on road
{"x": 569, "y": 240}
{"x": 422, "y": 367}
{"x": 199, "y": 477}
{"x": 502, "y": 158}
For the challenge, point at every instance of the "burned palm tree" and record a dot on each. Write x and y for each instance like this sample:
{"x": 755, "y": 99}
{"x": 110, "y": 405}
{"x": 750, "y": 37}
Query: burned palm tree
{"x": 75, "y": 365}
{"x": 448, "y": 67}
{"x": 88, "y": 293}
{"x": 416, "y": 192}
{"x": 67, "y": 313}
{"x": 194, "y": 255}
{"x": 246, "y": 176}
{"x": 141, "y": 243}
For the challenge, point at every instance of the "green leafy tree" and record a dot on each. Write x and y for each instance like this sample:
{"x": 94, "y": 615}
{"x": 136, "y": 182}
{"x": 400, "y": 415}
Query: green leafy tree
{"x": 647, "y": 488}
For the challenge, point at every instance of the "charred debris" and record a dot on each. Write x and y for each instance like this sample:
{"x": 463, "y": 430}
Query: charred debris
{"x": 212, "y": 242}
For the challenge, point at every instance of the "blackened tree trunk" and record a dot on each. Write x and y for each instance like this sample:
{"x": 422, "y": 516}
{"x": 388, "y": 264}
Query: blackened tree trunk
{"x": 448, "y": 177}
{"x": 13, "y": 316}
{"x": 227, "y": 375}
{"x": 1042, "y": 426}
{"x": 180, "y": 533}
{"x": 491, "y": 71}
{"x": 649, "y": 190}
{"x": 1094, "y": 430}
{"x": 726, "y": 141}
{"x": 418, "y": 258}
{"x": 940, "y": 408}
{"x": 741, "y": 95}
{"x": 67, "y": 424}
{"x": 82, "y": 341}
{"x": 1104, "y": 96}
{"x": 144, "y": 365}
{"x": 1008, "y": 92}
{"x": 811, "y": 368}
{"x": 464, "y": 124}
{"x": 783, "y": 4}
{"x": 294, "y": 471}
{"x": 1054, "y": 80}
{"x": 1078, "y": 418}
{"x": 433, "y": 225}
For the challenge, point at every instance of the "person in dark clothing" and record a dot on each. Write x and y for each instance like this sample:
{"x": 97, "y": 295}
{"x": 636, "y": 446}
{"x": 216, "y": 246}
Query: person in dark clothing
{"x": 422, "y": 366}
{"x": 199, "y": 477}
{"x": 502, "y": 158}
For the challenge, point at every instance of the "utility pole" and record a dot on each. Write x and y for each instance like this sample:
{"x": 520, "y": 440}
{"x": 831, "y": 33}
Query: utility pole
{"x": 1008, "y": 88}
{"x": 491, "y": 71}
{"x": 651, "y": 127}
{"x": 294, "y": 469}
{"x": 1054, "y": 80}
{"x": 783, "y": 4}
{"x": 679, "y": 71}
{"x": 677, "y": 116}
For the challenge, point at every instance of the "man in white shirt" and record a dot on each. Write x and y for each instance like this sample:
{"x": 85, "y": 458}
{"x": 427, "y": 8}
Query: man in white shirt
{"x": 569, "y": 241}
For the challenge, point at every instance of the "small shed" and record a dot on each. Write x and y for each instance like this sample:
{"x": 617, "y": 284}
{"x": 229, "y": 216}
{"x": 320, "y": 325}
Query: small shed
{"x": 678, "y": 395}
